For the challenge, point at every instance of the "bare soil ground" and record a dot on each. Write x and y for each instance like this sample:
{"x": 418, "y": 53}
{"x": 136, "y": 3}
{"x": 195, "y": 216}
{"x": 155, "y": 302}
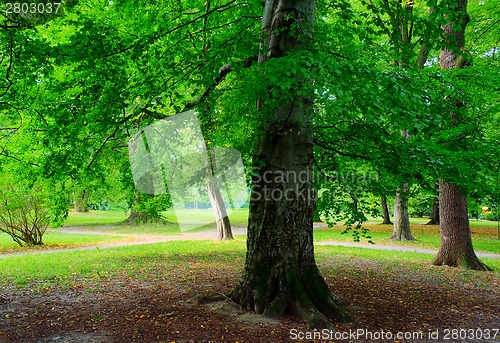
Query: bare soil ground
{"x": 158, "y": 305}
{"x": 160, "y": 308}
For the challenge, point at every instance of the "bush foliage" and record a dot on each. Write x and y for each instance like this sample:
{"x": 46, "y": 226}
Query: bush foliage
{"x": 24, "y": 214}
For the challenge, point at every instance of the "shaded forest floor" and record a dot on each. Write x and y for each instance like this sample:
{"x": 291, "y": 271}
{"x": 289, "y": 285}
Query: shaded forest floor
{"x": 154, "y": 303}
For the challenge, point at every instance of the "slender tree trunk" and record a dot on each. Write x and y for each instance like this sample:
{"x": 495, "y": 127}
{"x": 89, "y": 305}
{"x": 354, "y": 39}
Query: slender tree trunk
{"x": 216, "y": 200}
{"x": 385, "y": 211}
{"x": 456, "y": 242}
{"x": 280, "y": 271}
{"x": 401, "y": 231}
{"x": 434, "y": 217}
{"x": 81, "y": 202}
{"x": 219, "y": 208}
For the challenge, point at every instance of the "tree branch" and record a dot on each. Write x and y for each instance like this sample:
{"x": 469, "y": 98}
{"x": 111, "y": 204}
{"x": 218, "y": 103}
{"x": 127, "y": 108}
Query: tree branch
{"x": 7, "y": 73}
{"x": 5, "y": 154}
{"x": 102, "y": 147}
{"x": 341, "y": 153}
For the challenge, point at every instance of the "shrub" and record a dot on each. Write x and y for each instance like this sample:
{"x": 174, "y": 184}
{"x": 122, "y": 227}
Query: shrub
{"x": 495, "y": 215}
{"x": 24, "y": 214}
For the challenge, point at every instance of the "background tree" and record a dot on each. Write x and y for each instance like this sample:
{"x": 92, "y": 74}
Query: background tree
{"x": 456, "y": 243}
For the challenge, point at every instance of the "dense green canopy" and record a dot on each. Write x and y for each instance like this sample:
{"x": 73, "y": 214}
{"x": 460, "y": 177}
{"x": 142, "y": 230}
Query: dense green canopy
{"x": 78, "y": 84}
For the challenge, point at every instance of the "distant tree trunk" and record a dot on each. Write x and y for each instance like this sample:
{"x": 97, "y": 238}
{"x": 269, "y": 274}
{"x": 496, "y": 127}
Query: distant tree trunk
{"x": 280, "y": 270}
{"x": 216, "y": 200}
{"x": 401, "y": 231}
{"x": 434, "y": 217}
{"x": 219, "y": 208}
{"x": 81, "y": 202}
{"x": 456, "y": 242}
{"x": 385, "y": 211}
{"x": 137, "y": 216}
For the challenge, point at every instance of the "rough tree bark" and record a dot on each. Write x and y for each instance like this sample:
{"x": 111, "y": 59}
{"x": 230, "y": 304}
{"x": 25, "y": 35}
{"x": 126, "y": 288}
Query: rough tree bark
{"x": 280, "y": 271}
{"x": 385, "y": 211}
{"x": 456, "y": 242}
{"x": 401, "y": 231}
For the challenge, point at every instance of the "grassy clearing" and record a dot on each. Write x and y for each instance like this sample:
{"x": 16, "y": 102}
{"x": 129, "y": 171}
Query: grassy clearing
{"x": 424, "y": 220}
{"x": 103, "y": 221}
{"x": 95, "y": 218}
{"x": 182, "y": 259}
{"x": 54, "y": 239}
{"x": 104, "y": 228}
{"x": 238, "y": 217}
{"x": 137, "y": 261}
{"x": 427, "y": 236}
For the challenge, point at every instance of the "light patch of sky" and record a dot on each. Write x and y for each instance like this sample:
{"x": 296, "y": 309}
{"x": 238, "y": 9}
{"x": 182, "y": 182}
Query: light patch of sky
{"x": 491, "y": 52}
{"x": 431, "y": 61}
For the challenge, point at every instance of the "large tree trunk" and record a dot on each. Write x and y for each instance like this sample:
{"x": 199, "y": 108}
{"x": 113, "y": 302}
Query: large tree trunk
{"x": 456, "y": 243}
{"x": 385, "y": 211}
{"x": 81, "y": 202}
{"x": 401, "y": 231}
{"x": 280, "y": 271}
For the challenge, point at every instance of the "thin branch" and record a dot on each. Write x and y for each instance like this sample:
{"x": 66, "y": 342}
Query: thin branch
{"x": 5, "y": 154}
{"x": 42, "y": 117}
{"x": 223, "y": 71}
{"x": 216, "y": 9}
{"x": 102, "y": 147}
{"x": 485, "y": 31}
{"x": 321, "y": 170}
{"x": 7, "y": 74}
{"x": 341, "y": 153}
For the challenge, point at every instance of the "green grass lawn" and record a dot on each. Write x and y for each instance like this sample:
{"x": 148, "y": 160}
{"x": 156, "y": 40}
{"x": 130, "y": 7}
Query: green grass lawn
{"x": 165, "y": 258}
{"x": 427, "y": 236}
{"x": 425, "y": 220}
{"x": 95, "y": 218}
{"x": 104, "y": 224}
{"x": 101, "y": 225}
{"x": 238, "y": 217}
{"x": 54, "y": 239}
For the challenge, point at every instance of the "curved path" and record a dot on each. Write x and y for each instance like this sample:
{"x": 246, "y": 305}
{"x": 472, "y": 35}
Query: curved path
{"x": 139, "y": 239}
{"x": 133, "y": 239}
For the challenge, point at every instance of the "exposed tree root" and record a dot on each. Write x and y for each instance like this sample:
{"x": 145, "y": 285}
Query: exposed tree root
{"x": 402, "y": 236}
{"x": 136, "y": 218}
{"x": 307, "y": 296}
{"x": 467, "y": 260}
